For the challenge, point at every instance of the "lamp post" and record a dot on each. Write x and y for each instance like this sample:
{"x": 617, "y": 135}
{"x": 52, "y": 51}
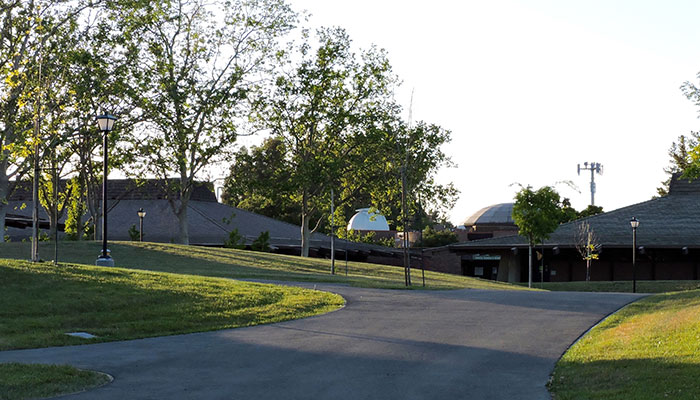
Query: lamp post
{"x": 141, "y": 214}
{"x": 106, "y": 123}
{"x": 635, "y": 223}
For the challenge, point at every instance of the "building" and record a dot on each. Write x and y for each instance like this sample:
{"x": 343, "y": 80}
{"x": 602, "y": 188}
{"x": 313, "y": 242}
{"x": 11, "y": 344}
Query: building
{"x": 209, "y": 222}
{"x": 668, "y": 245}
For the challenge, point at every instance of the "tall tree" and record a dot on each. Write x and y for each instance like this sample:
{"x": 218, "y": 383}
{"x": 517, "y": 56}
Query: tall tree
{"x": 248, "y": 185}
{"x": 198, "y": 65}
{"x": 326, "y": 110}
{"x": 537, "y": 214}
{"x": 35, "y": 36}
{"x": 680, "y": 154}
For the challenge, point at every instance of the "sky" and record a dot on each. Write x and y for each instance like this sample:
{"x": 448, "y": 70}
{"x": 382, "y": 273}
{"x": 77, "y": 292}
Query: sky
{"x": 530, "y": 89}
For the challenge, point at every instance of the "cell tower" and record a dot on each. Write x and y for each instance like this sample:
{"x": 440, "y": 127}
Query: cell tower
{"x": 593, "y": 167}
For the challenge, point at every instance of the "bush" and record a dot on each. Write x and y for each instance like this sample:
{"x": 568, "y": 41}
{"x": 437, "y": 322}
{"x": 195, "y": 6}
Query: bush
{"x": 433, "y": 238}
{"x": 134, "y": 234}
{"x": 235, "y": 240}
{"x": 262, "y": 242}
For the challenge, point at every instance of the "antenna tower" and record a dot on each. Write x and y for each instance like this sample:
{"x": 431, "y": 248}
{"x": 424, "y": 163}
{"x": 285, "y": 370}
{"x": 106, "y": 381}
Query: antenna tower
{"x": 593, "y": 167}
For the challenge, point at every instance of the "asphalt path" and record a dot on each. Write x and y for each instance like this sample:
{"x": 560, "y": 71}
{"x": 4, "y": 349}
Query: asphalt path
{"x": 384, "y": 344}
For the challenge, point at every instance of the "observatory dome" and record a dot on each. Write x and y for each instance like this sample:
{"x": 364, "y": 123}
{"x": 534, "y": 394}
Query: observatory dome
{"x": 363, "y": 220}
{"x": 498, "y": 214}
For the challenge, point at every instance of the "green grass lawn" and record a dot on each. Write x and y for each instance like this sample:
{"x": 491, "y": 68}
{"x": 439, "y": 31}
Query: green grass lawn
{"x": 648, "y": 350}
{"x": 40, "y": 303}
{"x": 30, "y": 381}
{"x": 242, "y": 264}
{"x": 618, "y": 286}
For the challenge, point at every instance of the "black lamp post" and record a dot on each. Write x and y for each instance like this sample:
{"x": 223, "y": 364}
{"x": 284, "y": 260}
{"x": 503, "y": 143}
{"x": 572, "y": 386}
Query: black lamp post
{"x": 635, "y": 223}
{"x": 141, "y": 214}
{"x": 106, "y": 123}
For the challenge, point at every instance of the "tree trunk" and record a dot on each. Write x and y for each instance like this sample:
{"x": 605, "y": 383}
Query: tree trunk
{"x": 529, "y": 265}
{"x": 183, "y": 224}
{"x": 180, "y": 207}
{"x": 304, "y": 225}
{"x": 4, "y": 194}
{"x": 588, "y": 270}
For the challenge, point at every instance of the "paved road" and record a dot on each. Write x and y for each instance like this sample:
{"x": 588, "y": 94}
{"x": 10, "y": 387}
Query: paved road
{"x": 466, "y": 344}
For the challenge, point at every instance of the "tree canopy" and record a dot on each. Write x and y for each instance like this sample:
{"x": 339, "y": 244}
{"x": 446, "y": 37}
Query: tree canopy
{"x": 198, "y": 63}
{"x": 681, "y": 160}
{"x": 537, "y": 214}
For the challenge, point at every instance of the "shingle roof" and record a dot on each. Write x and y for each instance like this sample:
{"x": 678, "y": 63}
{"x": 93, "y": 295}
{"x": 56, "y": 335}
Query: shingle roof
{"x": 497, "y": 214}
{"x": 123, "y": 189}
{"x": 669, "y": 221}
{"x": 209, "y": 222}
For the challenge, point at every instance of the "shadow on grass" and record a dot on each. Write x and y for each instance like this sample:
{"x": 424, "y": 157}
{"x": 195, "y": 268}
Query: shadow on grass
{"x": 642, "y": 379}
{"x": 40, "y": 303}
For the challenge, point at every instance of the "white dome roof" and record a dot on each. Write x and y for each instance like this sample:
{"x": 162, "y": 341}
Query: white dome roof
{"x": 364, "y": 221}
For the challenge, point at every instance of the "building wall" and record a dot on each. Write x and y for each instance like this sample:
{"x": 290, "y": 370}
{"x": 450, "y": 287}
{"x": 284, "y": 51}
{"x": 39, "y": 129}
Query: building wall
{"x": 441, "y": 259}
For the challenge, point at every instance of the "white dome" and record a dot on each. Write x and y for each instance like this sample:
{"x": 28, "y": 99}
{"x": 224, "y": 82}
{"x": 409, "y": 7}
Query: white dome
{"x": 364, "y": 221}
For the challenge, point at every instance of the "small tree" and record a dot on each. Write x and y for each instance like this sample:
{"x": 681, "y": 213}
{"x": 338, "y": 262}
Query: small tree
{"x": 537, "y": 214}
{"x": 588, "y": 245}
{"x": 235, "y": 240}
{"x": 262, "y": 242}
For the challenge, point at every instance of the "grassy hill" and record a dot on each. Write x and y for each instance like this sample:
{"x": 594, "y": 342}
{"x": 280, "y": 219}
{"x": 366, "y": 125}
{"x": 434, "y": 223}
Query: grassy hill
{"x": 648, "y": 350}
{"x": 242, "y": 264}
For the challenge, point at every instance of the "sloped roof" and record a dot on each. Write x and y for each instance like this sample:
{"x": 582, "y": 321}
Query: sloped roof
{"x": 125, "y": 189}
{"x": 209, "y": 222}
{"x": 672, "y": 221}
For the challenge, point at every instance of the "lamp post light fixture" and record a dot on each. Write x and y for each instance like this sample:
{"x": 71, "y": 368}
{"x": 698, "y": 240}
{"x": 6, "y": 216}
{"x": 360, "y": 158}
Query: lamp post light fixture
{"x": 106, "y": 123}
{"x": 141, "y": 214}
{"x": 634, "y": 223}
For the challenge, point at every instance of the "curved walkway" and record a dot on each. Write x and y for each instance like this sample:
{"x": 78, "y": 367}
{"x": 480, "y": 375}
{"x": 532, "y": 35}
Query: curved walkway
{"x": 466, "y": 344}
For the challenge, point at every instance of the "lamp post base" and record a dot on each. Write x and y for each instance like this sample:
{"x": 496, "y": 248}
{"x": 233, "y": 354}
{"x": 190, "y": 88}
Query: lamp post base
{"x": 104, "y": 261}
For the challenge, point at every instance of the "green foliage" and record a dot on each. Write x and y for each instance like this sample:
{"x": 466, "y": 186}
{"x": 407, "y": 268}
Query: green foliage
{"x": 537, "y": 213}
{"x": 433, "y": 238}
{"x": 89, "y": 231}
{"x": 568, "y": 213}
{"x": 590, "y": 211}
{"x": 75, "y": 227}
{"x": 259, "y": 181}
{"x": 235, "y": 240}
{"x": 134, "y": 233}
{"x": 681, "y": 159}
{"x": 198, "y": 63}
{"x": 333, "y": 115}
{"x": 262, "y": 242}
{"x": 368, "y": 237}
{"x": 325, "y": 111}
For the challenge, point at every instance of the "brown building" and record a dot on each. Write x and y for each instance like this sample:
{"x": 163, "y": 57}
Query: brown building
{"x": 668, "y": 245}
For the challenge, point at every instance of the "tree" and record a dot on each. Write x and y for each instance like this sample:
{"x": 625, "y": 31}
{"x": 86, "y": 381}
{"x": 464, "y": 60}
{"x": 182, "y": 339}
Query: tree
{"x": 34, "y": 36}
{"x": 248, "y": 185}
{"x": 587, "y": 244}
{"x": 326, "y": 110}
{"x": 590, "y": 211}
{"x": 680, "y": 154}
{"x": 537, "y": 214}
{"x": 568, "y": 213}
{"x": 433, "y": 238}
{"x": 198, "y": 63}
